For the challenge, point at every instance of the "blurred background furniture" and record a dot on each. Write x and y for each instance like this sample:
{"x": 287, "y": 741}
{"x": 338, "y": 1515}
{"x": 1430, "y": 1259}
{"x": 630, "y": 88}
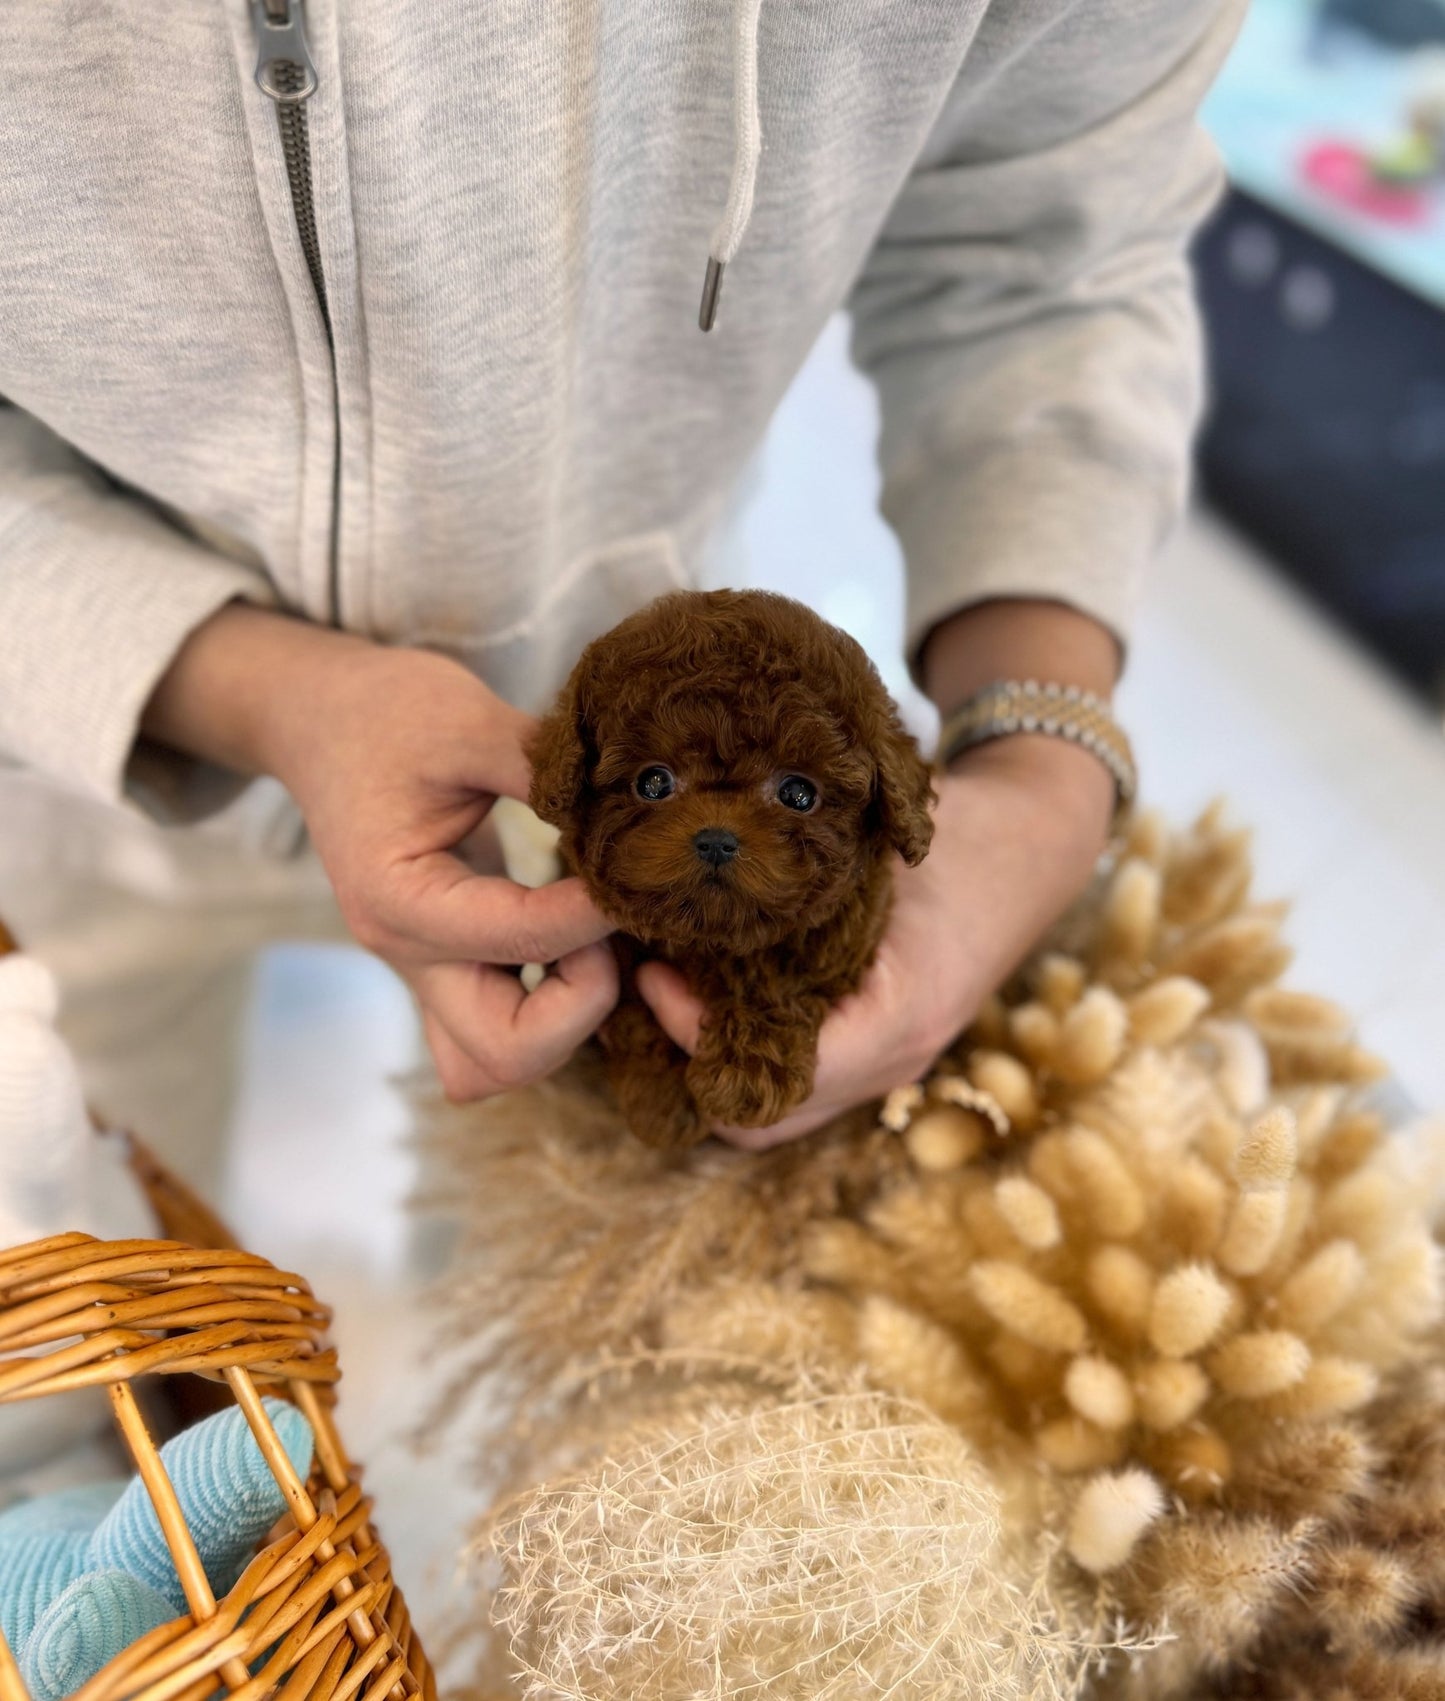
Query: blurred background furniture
{"x": 1323, "y": 284}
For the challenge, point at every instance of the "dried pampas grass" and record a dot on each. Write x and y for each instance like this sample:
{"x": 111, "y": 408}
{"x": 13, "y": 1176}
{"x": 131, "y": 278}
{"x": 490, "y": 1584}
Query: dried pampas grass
{"x": 578, "y": 1240}
{"x": 837, "y": 1546}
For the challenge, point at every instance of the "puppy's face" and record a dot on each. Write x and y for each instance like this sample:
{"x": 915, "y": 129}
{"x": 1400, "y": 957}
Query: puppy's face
{"x": 717, "y": 767}
{"x": 710, "y": 822}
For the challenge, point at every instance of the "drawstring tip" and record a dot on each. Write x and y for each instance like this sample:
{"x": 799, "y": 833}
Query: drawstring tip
{"x": 711, "y": 289}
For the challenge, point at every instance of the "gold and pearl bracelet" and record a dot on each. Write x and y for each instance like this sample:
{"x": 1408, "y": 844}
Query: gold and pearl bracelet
{"x": 1011, "y": 706}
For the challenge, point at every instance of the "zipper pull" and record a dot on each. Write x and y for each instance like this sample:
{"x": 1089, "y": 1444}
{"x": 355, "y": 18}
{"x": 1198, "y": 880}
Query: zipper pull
{"x": 284, "y": 67}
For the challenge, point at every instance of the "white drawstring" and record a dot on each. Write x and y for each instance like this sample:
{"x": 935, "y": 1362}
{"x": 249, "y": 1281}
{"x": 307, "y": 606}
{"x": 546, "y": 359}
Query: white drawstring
{"x": 747, "y": 146}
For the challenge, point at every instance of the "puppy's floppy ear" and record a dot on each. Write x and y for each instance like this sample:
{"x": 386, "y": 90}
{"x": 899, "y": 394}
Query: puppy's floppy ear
{"x": 902, "y": 780}
{"x": 903, "y": 788}
{"x": 558, "y": 751}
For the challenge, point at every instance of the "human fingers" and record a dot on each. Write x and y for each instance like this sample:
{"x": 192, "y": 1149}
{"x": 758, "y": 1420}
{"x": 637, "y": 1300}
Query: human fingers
{"x": 434, "y": 908}
{"x": 885, "y": 1035}
{"x": 678, "y": 1009}
{"x": 487, "y": 1034}
{"x": 809, "y": 1117}
{"x": 868, "y": 1044}
{"x": 680, "y": 1015}
{"x": 462, "y": 1081}
{"x": 500, "y": 763}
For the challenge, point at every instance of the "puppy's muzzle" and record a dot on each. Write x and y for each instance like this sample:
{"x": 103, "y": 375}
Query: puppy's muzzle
{"x": 715, "y": 846}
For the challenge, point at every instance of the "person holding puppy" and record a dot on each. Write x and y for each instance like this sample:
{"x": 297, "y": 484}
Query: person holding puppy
{"x": 385, "y": 391}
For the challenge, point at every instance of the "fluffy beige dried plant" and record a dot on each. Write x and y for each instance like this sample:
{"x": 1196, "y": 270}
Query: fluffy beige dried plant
{"x": 1135, "y": 1229}
{"x": 1189, "y": 1234}
{"x": 835, "y": 1546}
{"x": 1338, "y": 1587}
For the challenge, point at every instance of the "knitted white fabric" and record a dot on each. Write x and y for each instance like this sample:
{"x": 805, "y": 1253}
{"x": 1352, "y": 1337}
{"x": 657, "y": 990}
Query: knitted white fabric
{"x": 55, "y": 1176}
{"x": 45, "y": 1133}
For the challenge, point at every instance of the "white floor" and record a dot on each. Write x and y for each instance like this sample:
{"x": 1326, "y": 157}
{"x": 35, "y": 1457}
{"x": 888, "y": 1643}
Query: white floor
{"x": 1235, "y": 687}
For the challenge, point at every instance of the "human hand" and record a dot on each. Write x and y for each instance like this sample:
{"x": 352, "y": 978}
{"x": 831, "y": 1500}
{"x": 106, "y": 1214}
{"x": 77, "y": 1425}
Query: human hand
{"x": 1018, "y": 828}
{"x": 394, "y": 757}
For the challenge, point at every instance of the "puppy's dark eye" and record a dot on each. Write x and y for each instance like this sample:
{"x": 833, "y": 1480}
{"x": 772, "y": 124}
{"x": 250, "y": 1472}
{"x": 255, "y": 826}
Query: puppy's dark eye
{"x": 654, "y": 784}
{"x": 794, "y": 792}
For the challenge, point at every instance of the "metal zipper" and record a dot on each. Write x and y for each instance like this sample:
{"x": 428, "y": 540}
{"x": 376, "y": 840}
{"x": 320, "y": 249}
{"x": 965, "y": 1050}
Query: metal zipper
{"x": 286, "y": 73}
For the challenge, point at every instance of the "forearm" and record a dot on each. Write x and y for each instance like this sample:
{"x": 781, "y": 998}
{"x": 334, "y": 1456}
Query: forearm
{"x": 239, "y": 680}
{"x": 1028, "y": 316}
{"x": 97, "y": 592}
{"x": 1017, "y": 638}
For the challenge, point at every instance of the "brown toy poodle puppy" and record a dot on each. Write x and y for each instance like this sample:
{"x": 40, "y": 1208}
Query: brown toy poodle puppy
{"x": 732, "y": 782}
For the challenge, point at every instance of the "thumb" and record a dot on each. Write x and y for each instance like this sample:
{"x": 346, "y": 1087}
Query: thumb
{"x": 507, "y": 765}
{"x": 678, "y": 1010}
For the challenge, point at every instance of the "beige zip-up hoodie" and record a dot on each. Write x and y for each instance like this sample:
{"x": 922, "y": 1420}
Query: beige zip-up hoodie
{"x": 418, "y": 354}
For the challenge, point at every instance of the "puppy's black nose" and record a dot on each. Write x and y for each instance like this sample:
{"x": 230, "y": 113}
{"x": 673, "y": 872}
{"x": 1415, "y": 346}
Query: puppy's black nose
{"x": 715, "y": 845}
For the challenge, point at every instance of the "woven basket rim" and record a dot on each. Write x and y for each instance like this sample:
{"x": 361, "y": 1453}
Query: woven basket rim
{"x": 316, "y": 1612}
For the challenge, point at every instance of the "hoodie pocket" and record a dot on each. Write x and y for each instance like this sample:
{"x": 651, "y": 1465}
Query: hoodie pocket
{"x": 526, "y": 662}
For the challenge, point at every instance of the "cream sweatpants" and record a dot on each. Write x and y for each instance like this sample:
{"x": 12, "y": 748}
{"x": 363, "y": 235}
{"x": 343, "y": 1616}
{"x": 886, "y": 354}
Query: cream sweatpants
{"x": 152, "y": 932}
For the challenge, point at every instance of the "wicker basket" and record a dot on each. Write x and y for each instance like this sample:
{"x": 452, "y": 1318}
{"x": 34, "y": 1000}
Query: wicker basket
{"x": 317, "y": 1603}
{"x": 316, "y": 1612}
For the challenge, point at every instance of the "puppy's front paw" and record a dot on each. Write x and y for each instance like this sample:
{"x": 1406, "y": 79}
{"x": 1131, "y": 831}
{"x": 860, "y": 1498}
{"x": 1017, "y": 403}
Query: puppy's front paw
{"x": 658, "y": 1109}
{"x": 748, "y": 1092}
{"x": 647, "y": 1075}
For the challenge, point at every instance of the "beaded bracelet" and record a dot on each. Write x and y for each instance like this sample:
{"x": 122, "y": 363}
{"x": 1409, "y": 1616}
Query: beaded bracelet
{"x": 1058, "y": 711}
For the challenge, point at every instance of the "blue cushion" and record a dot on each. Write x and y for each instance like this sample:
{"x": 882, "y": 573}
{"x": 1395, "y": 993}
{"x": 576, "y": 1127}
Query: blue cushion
{"x": 80, "y": 1508}
{"x": 42, "y": 1547}
{"x": 226, "y": 1491}
{"x": 90, "y": 1622}
{"x": 85, "y": 1571}
{"x": 35, "y": 1565}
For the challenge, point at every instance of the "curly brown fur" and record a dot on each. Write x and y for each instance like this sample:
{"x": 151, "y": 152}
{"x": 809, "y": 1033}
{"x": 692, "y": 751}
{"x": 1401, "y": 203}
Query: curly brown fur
{"x": 731, "y": 692}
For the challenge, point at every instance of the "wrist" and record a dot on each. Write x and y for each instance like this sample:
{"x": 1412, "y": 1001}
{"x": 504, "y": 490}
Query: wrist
{"x": 244, "y": 682}
{"x": 1023, "y": 639}
{"x": 1016, "y": 638}
{"x": 343, "y": 704}
{"x": 1073, "y": 792}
